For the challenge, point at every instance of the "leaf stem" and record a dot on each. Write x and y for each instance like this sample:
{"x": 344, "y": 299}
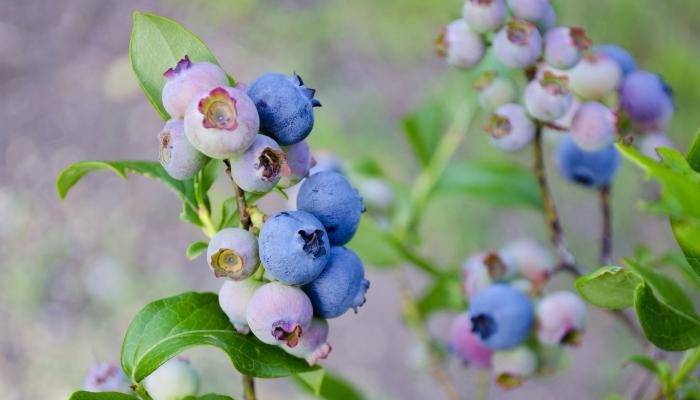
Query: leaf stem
{"x": 248, "y": 388}
{"x": 411, "y": 256}
{"x": 606, "y": 231}
{"x": 688, "y": 364}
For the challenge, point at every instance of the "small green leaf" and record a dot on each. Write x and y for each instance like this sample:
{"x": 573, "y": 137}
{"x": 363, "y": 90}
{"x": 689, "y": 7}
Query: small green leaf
{"x": 444, "y": 295}
{"x": 158, "y": 43}
{"x": 499, "y": 183}
{"x": 372, "y": 245}
{"x": 687, "y": 233}
{"x": 195, "y": 249}
{"x": 644, "y": 361}
{"x": 332, "y": 388}
{"x": 667, "y": 288}
{"x": 281, "y": 192}
{"x": 665, "y": 326}
{"x": 313, "y": 380}
{"x": 83, "y": 395}
{"x": 693, "y": 155}
{"x": 680, "y": 262}
{"x": 608, "y": 287}
{"x": 423, "y": 129}
{"x": 169, "y": 326}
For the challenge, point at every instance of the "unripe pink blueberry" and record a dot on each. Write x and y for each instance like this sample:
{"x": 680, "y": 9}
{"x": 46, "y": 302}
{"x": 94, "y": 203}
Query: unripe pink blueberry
{"x": 186, "y": 81}
{"x": 233, "y": 253}
{"x": 548, "y": 98}
{"x": 561, "y": 318}
{"x": 518, "y": 44}
{"x": 593, "y": 126}
{"x": 484, "y": 15}
{"x": 233, "y": 299}
{"x": 299, "y": 161}
{"x": 459, "y": 45}
{"x": 106, "y": 377}
{"x": 652, "y": 141}
{"x": 530, "y": 258}
{"x": 481, "y": 269}
{"x": 510, "y": 127}
{"x": 313, "y": 345}
{"x": 174, "y": 380}
{"x": 564, "y": 46}
{"x": 279, "y": 314}
{"x": 595, "y": 76}
{"x": 645, "y": 97}
{"x": 261, "y": 166}
{"x": 467, "y": 345}
{"x": 179, "y": 158}
{"x": 529, "y": 10}
{"x": 495, "y": 90}
{"x": 510, "y": 368}
{"x": 222, "y": 122}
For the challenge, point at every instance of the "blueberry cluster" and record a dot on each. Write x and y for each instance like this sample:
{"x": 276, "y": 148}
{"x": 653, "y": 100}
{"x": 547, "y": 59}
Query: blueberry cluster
{"x": 592, "y": 94}
{"x": 510, "y": 325}
{"x": 308, "y": 275}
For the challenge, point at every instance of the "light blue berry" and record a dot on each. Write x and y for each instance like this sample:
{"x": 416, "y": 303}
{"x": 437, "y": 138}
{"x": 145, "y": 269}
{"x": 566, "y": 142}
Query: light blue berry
{"x": 502, "y": 316}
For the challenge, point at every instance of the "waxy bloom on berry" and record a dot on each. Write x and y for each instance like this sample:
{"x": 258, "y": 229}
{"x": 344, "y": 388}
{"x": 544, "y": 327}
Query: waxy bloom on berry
{"x": 587, "y": 168}
{"x": 530, "y": 258}
{"x": 174, "y": 380}
{"x": 260, "y": 167}
{"x": 561, "y": 319}
{"x": 467, "y": 345}
{"x": 313, "y": 345}
{"x": 495, "y": 90}
{"x": 518, "y": 44}
{"x": 279, "y": 314}
{"x": 459, "y": 45}
{"x": 481, "y": 270}
{"x": 484, "y": 15}
{"x": 549, "y": 97}
{"x": 512, "y": 367}
{"x": 510, "y": 127}
{"x": 186, "y": 81}
{"x": 233, "y": 253}
{"x": 233, "y": 300}
{"x": 593, "y": 127}
{"x": 179, "y": 158}
{"x": 563, "y": 47}
{"x": 595, "y": 77}
{"x": 502, "y": 316}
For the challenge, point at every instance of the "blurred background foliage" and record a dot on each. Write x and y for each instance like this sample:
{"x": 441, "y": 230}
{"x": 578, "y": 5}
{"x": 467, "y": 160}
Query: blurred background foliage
{"x": 74, "y": 273}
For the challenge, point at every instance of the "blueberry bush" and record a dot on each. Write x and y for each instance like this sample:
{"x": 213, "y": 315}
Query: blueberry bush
{"x": 284, "y": 276}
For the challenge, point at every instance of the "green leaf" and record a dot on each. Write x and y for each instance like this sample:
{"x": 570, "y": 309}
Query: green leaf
{"x": 608, "y": 287}
{"x": 313, "y": 380}
{"x": 372, "y": 245}
{"x": 195, "y": 249}
{"x": 615, "y": 396}
{"x": 423, "y": 129}
{"x": 644, "y": 361}
{"x": 209, "y": 396}
{"x": 693, "y": 155}
{"x": 332, "y": 388}
{"x": 667, "y": 288}
{"x": 158, "y": 43}
{"x": 680, "y": 262}
{"x": 169, "y": 326}
{"x": 184, "y": 189}
{"x": 687, "y": 234}
{"x": 444, "y": 295}
{"x": 499, "y": 183}
{"x": 665, "y": 326}
{"x": 83, "y": 395}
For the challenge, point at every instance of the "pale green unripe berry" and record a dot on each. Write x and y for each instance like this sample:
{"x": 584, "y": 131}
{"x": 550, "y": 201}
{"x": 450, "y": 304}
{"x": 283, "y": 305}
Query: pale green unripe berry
{"x": 174, "y": 380}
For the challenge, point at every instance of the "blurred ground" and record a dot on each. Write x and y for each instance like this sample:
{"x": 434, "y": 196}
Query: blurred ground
{"x": 74, "y": 273}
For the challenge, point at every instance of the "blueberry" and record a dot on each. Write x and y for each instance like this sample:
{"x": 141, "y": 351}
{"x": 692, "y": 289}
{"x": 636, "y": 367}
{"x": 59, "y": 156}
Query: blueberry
{"x": 299, "y": 161}
{"x": 561, "y": 319}
{"x": 459, "y": 45}
{"x": 482, "y": 269}
{"x": 294, "y": 247}
{"x": 174, "y": 380}
{"x": 484, "y": 15}
{"x": 313, "y": 345}
{"x": 495, "y": 90}
{"x": 330, "y": 197}
{"x": 593, "y": 126}
{"x": 341, "y": 285}
{"x": 620, "y": 56}
{"x": 518, "y": 44}
{"x": 279, "y": 314}
{"x": 285, "y": 107}
{"x": 233, "y": 299}
{"x": 221, "y": 122}
{"x": 106, "y": 377}
{"x": 530, "y": 258}
{"x": 564, "y": 46}
{"x": 467, "y": 345}
{"x": 233, "y": 253}
{"x": 260, "y": 167}
{"x": 644, "y": 97}
{"x": 179, "y": 158}
{"x": 502, "y": 316}
{"x": 529, "y": 10}
{"x": 595, "y": 76}
{"x": 512, "y": 367}
{"x": 510, "y": 127}
{"x": 587, "y": 168}
{"x": 548, "y": 98}
{"x": 186, "y": 81}
{"x": 652, "y": 141}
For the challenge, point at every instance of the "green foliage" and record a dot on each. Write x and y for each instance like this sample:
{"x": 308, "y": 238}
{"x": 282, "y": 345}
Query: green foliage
{"x": 423, "y": 129}
{"x": 499, "y": 183}
{"x": 609, "y": 287}
{"x": 372, "y": 244}
{"x": 666, "y": 287}
{"x": 195, "y": 249}
{"x": 312, "y": 380}
{"x": 445, "y": 294}
{"x": 169, "y": 326}
{"x": 332, "y": 388}
{"x": 83, "y": 395}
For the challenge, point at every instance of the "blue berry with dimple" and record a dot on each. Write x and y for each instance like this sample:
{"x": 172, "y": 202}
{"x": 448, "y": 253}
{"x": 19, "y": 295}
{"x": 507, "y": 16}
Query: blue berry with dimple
{"x": 341, "y": 285}
{"x": 330, "y": 197}
{"x": 294, "y": 247}
{"x": 502, "y": 316}
{"x": 587, "y": 168}
{"x": 285, "y": 107}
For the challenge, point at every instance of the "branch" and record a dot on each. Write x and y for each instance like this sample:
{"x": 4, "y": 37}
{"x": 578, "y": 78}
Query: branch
{"x": 248, "y": 388}
{"x": 606, "y": 234}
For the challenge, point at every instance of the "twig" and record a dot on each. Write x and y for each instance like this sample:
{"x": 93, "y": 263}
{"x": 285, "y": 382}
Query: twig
{"x": 437, "y": 370}
{"x": 606, "y": 234}
{"x": 248, "y": 388}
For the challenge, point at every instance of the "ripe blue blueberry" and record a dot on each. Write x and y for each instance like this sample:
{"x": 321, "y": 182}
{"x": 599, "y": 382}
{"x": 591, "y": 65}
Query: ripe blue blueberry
{"x": 299, "y": 161}
{"x": 645, "y": 97}
{"x": 330, "y": 197}
{"x": 595, "y": 76}
{"x": 279, "y": 314}
{"x": 221, "y": 122}
{"x": 186, "y": 81}
{"x": 174, "y": 380}
{"x": 518, "y": 44}
{"x": 285, "y": 107}
{"x": 587, "y": 168}
{"x": 593, "y": 127}
{"x": 510, "y": 127}
{"x": 259, "y": 168}
{"x": 313, "y": 345}
{"x": 341, "y": 285}
{"x": 459, "y": 45}
{"x": 620, "y": 55}
{"x": 294, "y": 247}
{"x": 549, "y": 97}
{"x": 561, "y": 319}
{"x": 502, "y": 316}
{"x": 233, "y": 300}
{"x": 564, "y": 46}
{"x": 495, "y": 90}
{"x": 233, "y": 253}
{"x": 484, "y": 15}
{"x": 179, "y": 158}
{"x": 467, "y": 345}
